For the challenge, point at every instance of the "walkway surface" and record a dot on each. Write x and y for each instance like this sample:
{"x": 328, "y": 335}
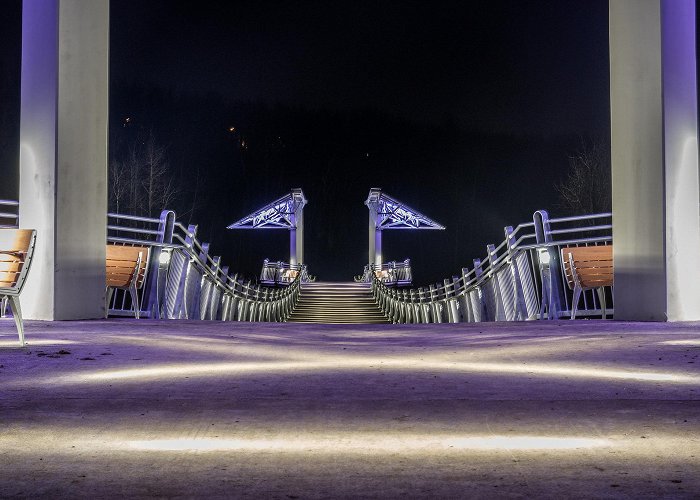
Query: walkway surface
{"x": 182, "y": 409}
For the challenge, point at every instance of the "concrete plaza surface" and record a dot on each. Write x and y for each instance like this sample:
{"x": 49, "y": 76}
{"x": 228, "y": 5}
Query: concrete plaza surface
{"x": 126, "y": 408}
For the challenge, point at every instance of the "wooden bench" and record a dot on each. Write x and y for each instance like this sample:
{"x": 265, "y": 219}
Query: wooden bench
{"x": 16, "y": 251}
{"x": 126, "y": 270}
{"x": 588, "y": 268}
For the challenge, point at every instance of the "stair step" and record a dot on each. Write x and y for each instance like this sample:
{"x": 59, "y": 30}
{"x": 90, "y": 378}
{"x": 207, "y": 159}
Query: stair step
{"x": 337, "y": 303}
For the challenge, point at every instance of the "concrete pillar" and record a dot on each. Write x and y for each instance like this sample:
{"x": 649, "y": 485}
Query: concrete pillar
{"x": 63, "y": 155}
{"x": 656, "y": 224}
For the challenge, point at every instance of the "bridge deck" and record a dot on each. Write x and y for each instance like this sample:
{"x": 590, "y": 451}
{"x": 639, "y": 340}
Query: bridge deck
{"x": 146, "y": 408}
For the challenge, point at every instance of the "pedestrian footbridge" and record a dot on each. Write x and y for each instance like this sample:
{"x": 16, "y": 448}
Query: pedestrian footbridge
{"x": 523, "y": 277}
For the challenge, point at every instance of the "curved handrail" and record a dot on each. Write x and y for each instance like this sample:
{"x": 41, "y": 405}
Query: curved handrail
{"x": 515, "y": 253}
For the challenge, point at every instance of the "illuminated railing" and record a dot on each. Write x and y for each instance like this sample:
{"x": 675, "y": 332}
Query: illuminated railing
{"x": 283, "y": 273}
{"x": 390, "y": 273}
{"x": 520, "y": 279}
{"x": 185, "y": 282}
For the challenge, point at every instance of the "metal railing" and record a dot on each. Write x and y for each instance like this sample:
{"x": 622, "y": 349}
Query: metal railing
{"x": 283, "y": 273}
{"x": 9, "y": 215}
{"x": 185, "y": 282}
{"x": 390, "y": 273}
{"x": 519, "y": 279}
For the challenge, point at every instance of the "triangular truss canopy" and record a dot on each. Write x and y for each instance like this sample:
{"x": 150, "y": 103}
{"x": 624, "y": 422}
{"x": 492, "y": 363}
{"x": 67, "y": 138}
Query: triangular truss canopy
{"x": 276, "y": 215}
{"x": 393, "y": 214}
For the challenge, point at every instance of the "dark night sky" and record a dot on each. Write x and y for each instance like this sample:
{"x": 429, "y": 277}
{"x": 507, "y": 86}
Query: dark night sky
{"x": 488, "y": 99}
{"x": 535, "y": 66}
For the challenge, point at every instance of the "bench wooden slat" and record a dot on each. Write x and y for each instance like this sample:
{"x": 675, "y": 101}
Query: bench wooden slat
{"x": 587, "y": 268}
{"x": 125, "y": 257}
{"x": 594, "y": 265}
{"x": 16, "y": 250}
{"x": 16, "y": 240}
{"x": 126, "y": 269}
{"x": 10, "y": 267}
{"x": 14, "y": 245}
{"x": 122, "y": 260}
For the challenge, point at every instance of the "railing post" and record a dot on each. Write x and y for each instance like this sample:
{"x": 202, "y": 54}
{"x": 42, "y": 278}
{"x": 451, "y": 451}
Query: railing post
{"x": 450, "y": 302}
{"x": 154, "y": 289}
{"x": 519, "y": 307}
{"x": 478, "y": 273}
{"x": 460, "y": 311}
{"x": 235, "y": 300}
{"x": 500, "y": 313}
{"x": 467, "y": 315}
{"x": 222, "y": 300}
{"x": 550, "y": 268}
{"x": 179, "y": 306}
{"x": 211, "y": 299}
{"x": 197, "y": 292}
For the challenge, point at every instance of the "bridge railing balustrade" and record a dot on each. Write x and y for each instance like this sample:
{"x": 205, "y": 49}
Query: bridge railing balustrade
{"x": 183, "y": 280}
{"x": 283, "y": 273}
{"x": 391, "y": 273}
{"x": 186, "y": 282}
{"x": 519, "y": 279}
{"x": 9, "y": 214}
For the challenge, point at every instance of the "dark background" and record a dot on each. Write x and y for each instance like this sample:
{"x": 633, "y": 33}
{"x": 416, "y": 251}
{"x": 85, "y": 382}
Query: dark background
{"x": 466, "y": 111}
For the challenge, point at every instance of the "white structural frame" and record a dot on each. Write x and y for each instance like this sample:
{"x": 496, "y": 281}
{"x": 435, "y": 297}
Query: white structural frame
{"x": 386, "y": 212}
{"x": 286, "y": 212}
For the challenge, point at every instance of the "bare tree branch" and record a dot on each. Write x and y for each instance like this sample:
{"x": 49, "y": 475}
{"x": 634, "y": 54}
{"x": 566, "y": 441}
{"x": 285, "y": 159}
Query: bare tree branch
{"x": 587, "y": 187}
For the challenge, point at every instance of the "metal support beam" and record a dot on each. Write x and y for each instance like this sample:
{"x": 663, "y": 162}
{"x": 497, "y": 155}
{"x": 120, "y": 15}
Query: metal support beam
{"x": 285, "y": 213}
{"x": 386, "y": 212}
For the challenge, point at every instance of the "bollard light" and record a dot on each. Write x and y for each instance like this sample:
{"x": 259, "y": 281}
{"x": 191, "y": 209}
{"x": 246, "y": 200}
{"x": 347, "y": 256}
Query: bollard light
{"x": 164, "y": 257}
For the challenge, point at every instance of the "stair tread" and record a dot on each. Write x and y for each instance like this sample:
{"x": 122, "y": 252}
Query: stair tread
{"x": 337, "y": 303}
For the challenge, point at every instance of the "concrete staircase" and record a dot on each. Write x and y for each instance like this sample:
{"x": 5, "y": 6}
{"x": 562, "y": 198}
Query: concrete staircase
{"x": 337, "y": 302}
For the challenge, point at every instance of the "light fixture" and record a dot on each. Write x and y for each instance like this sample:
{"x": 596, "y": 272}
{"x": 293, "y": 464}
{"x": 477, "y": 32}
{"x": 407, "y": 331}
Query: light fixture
{"x": 164, "y": 257}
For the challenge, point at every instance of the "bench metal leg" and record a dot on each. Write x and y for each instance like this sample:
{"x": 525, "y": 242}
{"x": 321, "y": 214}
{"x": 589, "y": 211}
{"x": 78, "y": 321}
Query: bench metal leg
{"x": 574, "y": 301}
{"x": 601, "y": 297}
{"x": 17, "y": 315}
{"x": 109, "y": 292}
{"x": 3, "y": 307}
{"x": 135, "y": 301}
